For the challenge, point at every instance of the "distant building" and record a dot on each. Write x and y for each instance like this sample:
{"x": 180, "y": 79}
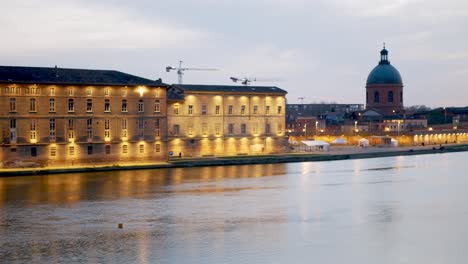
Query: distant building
{"x": 384, "y": 88}
{"x": 59, "y": 116}
{"x": 216, "y": 120}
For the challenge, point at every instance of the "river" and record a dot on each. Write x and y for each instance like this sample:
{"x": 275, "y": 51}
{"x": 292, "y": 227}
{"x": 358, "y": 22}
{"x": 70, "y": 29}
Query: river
{"x": 410, "y": 209}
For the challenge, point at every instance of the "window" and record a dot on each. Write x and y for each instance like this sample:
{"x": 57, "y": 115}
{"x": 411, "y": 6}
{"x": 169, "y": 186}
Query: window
{"x": 279, "y": 110}
{"x": 203, "y": 109}
{"x": 204, "y": 129}
{"x": 390, "y": 97}
{"x": 124, "y": 92}
{"x": 89, "y": 92}
{"x": 141, "y": 126}
{"x": 217, "y": 129}
{"x": 157, "y": 106}
{"x": 217, "y": 109}
{"x": 243, "y": 129}
{"x": 107, "y": 129}
{"x": 175, "y": 130}
{"x": 90, "y": 150}
{"x": 124, "y": 133}
{"x": 52, "y": 91}
{"x": 71, "y": 92}
{"x": 230, "y": 109}
{"x": 141, "y": 106}
{"x": 190, "y": 109}
{"x": 231, "y": 129}
{"x": 107, "y": 105}
{"x": 89, "y": 105}
{"x": 89, "y": 129}
{"x": 157, "y": 147}
{"x": 176, "y": 109}
{"x": 32, "y": 105}
{"x": 157, "y": 93}
{"x": 52, "y": 105}
{"x": 13, "y": 130}
{"x": 255, "y": 109}
{"x": 279, "y": 129}
{"x": 52, "y": 129}
{"x": 124, "y": 105}
{"x": 267, "y": 110}
{"x": 53, "y": 151}
{"x": 32, "y": 131}
{"x": 106, "y": 91}
{"x": 12, "y": 104}
{"x": 71, "y": 105}
{"x": 267, "y": 129}
{"x": 107, "y": 149}
{"x": 157, "y": 130}
{"x": 367, "y": 97}
{"x": 71, "y": 150}
{"x": 33, "y": 152}
{"x": 124, "y": 149}
{"x": 243, "y": 110}
{"x": 141, "y": 148}
{"x": 376, "y": 97}
{"x": 401, "y": 97}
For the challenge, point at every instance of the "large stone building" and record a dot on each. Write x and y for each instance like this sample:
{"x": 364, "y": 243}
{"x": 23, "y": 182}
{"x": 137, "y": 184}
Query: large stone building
{"x": 63, "y": 116}
{"x": 205, "y": 120}
{"x": 384, "y": 88}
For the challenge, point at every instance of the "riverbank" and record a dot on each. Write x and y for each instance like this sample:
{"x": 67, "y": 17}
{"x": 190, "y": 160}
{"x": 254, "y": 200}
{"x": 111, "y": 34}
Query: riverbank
{"x": 337, "y": 153}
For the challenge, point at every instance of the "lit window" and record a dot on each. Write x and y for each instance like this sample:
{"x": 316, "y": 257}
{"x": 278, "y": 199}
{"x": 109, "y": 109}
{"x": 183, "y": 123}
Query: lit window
{"x": 106, "y": 129}
{"x": 71, "y": 92}
{"x": 53, "y": 151}
{"x": 32, "y": 131}
{"x": 124, "y": 149}
{"x": 52, "y": 91}
{"x": 106, "y": 91}
{"x": 158, "y": 147}
{"x": 124, "y": 128}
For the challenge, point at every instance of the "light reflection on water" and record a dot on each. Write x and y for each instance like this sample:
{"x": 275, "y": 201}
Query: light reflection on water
{"x": 387, "y": 210}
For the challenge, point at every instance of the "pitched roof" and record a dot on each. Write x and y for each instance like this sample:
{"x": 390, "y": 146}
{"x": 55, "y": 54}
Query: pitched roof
{"x": 16, "y": 74}
{"x": 229, "y": 88}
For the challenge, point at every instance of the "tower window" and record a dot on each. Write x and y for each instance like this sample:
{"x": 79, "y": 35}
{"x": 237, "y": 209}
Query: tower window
{"x": 390, "y": 97}
{"x": 376, "y": 97}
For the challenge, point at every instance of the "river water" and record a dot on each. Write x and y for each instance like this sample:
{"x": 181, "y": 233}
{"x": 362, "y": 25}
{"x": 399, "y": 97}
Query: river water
{"x": 411, "y": 209}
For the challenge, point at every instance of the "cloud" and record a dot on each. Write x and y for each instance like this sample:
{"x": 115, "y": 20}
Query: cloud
{"x": 33, "y": 26}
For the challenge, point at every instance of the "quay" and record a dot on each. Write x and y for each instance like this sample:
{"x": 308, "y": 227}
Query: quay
{"x": 339, "y": 153}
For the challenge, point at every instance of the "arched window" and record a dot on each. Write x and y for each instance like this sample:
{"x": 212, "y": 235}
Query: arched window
{"x": 376, "y": 97}
{"x": 390, "y": 97}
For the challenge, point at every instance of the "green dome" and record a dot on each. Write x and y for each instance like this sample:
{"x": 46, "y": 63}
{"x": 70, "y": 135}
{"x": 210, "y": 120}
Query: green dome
{"x": 384, "y": 73}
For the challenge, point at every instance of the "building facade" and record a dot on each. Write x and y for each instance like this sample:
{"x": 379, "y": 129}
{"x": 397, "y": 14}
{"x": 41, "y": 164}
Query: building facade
{"x": 214, "y": 120}
{"x": 384, "y": 88}
{"x": 53, "y": 116}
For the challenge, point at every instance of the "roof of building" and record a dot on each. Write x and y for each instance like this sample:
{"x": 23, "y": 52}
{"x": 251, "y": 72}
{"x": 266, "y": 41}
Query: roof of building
{"x": 384, "y": 72}
{"x": 229, "y": 88}
{"x": 17, "y": 74}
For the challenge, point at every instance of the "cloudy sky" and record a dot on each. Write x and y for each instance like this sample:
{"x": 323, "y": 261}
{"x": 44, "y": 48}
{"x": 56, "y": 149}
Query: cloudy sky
{"x": 322, "y": 50}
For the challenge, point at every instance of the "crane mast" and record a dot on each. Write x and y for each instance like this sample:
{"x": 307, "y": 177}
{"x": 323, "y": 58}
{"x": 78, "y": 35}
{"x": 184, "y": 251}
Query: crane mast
{"x": 180, "y": 70}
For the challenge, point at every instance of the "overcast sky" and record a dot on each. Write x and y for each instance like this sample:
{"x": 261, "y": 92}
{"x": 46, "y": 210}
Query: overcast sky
{"x": 322, "y": 50}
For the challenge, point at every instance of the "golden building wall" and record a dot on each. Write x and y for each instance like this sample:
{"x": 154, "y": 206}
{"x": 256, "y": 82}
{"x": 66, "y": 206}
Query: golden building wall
{"x": 92, "y": 129}
{"x": 209, "y": 124}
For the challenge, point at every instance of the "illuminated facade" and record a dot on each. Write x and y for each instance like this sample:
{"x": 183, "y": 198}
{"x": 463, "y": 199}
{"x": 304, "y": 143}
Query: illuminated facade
{"x": 212, "y": 120}
{"x": 54, "y": 116}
